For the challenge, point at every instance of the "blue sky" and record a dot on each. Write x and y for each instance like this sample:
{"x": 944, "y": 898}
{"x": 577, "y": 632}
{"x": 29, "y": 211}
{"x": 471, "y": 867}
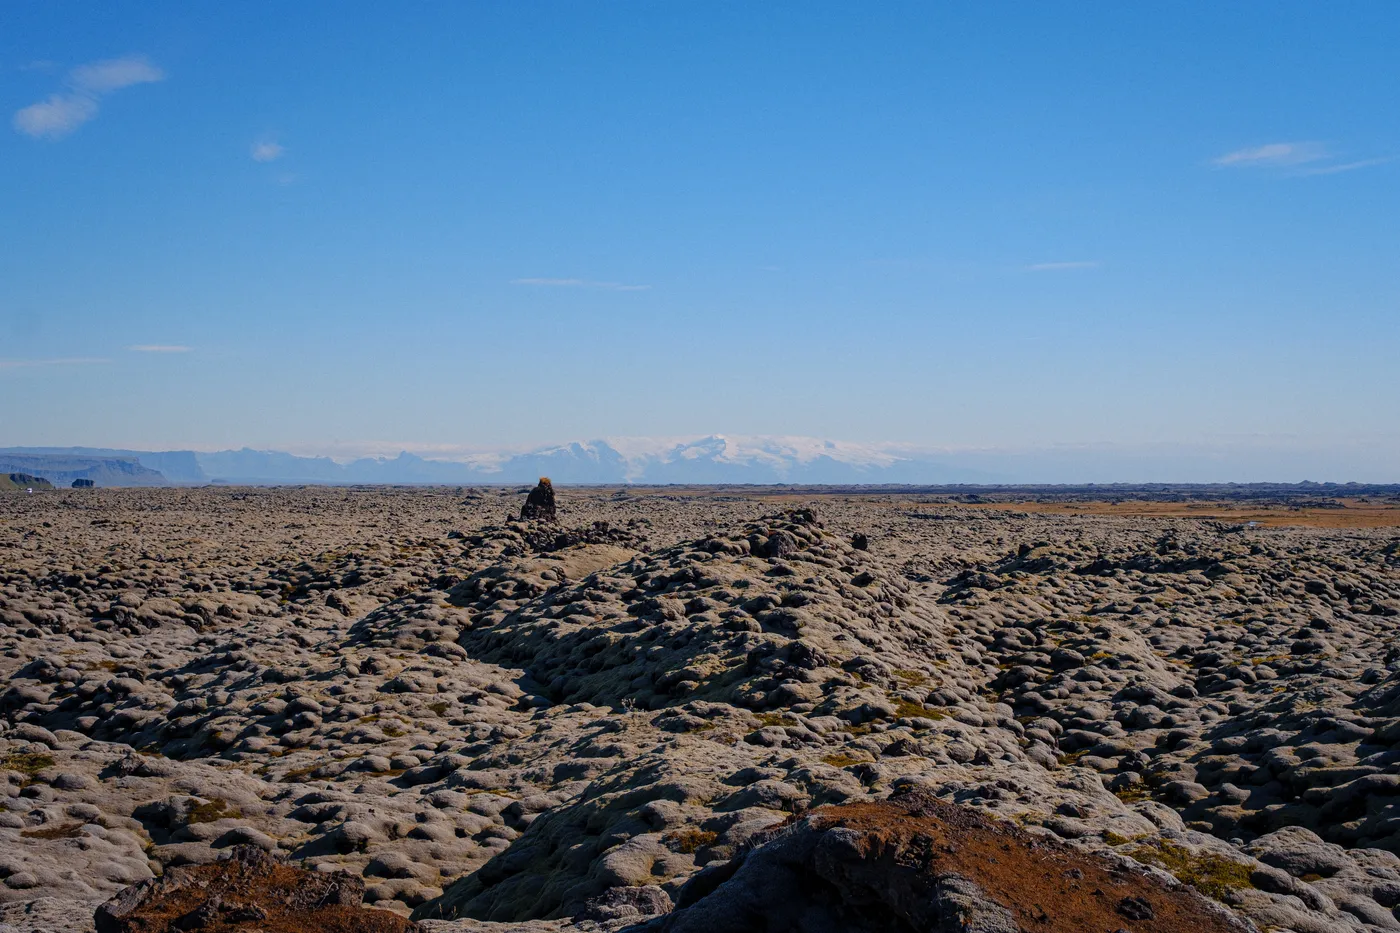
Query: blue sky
{"x": 325, "y": 227}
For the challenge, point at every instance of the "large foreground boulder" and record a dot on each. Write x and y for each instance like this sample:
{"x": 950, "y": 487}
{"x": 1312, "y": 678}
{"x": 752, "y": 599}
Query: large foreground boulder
{"x": 915, "y": 863}
{"x": 249, "y": 891}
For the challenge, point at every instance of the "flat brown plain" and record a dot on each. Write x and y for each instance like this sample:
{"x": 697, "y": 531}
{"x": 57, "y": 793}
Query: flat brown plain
{"x": 1351, "y": 513}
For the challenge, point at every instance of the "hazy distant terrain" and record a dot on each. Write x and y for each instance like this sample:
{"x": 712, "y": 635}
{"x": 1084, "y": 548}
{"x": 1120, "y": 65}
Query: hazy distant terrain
{"x": 713, "y": 459}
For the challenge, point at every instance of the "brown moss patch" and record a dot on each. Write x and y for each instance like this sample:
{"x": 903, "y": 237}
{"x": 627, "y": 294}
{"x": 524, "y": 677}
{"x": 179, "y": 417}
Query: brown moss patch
{"x": 54, "y": 831}
{"x": 1047, "y": 885}
{"x": 250, "y": 892}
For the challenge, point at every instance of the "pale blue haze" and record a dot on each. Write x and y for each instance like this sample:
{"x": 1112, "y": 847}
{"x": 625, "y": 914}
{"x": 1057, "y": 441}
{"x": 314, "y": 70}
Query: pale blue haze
{"x": 451, "y": 226}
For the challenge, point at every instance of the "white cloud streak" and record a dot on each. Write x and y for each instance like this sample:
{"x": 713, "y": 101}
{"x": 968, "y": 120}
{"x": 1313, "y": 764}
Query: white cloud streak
{"x": 1296, "y": 159}
{"x": 63, "y": 112}
{"x": 114, "y": 74}
{"x": 1272, "y": 155}
{"x": 56, "y": 117}
{"x": 581, "y": 283}
{"x": 159, "y": 348}
{"x": 1063, "y": 266}
{"x": 267, "y": 152}
{"x": 66, "y": 361}
{"x": 1345, "y": 166}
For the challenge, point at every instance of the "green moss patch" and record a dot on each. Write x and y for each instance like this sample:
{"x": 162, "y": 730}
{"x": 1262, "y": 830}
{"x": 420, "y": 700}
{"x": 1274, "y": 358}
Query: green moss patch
{"x": 1212, "y": 875}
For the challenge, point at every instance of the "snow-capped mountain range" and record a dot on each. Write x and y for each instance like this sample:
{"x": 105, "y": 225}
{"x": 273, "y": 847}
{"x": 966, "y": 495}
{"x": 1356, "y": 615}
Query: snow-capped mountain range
{"x": 727, "y": 459}
{"x": 715, "y": 458}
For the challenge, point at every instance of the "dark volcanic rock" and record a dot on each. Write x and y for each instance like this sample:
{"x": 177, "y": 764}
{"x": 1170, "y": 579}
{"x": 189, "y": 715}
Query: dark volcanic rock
{"x": 540, "y": 505}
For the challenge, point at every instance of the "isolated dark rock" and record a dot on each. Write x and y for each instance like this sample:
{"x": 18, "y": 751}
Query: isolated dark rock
{"x": 83, "y": 484}
{"x": 860, "y": 542}
{"x": 540, "y": 504}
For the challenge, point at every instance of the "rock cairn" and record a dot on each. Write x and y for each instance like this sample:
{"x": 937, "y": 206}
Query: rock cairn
{"x": 540, "y": 505}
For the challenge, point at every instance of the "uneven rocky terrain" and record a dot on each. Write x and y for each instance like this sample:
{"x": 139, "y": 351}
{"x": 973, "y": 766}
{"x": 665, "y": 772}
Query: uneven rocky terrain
{"x": 670, "y": 709}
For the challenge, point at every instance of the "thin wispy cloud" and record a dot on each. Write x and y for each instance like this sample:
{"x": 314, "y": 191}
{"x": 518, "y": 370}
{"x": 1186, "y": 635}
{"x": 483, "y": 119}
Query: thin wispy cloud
{"x": 581, "y": 283}
{"x": 1296, "y": 159}
{"x": 1063, "y": 266}
{"x": 1272, "y": 155}
{"x": 267, "y": 151}
{"x": 1345, "y": 166}
{"x": 114, "y": 74}
{"x": 159, "y": 348}
{"x": 63, "y": 361}
{"x": 64, "y": 111}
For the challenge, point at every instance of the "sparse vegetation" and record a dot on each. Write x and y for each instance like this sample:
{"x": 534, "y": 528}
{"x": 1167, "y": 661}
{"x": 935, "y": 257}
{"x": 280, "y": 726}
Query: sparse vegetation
{"x": 1212, "y": 875}
{"x": 216, "y": 808}
{"x": 689, "y": 841}
{"x": 54, "y": 831}
{"x": 28, "y": 764}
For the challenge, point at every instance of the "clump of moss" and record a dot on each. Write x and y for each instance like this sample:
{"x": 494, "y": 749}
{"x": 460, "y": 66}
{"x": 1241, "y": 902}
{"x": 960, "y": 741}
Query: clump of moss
{"x": 842, "y": 759}
{"x": 774, "y": 719}
{"x": 216, "y": 808}
{"x": 440, "y": 708}
{"x": 906, "y": 709}
{"x": 912, "y": 678}
{"x": 1212, "y": 875}
{"x": 65, "y": 831}
{"x": 393, "y": 732}
{"x": 297, "y": 775}
{"x": 689, "y": 841}
{"x": 28, "y": 764}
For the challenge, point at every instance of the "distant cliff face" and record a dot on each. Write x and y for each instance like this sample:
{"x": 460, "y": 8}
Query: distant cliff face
{"x": 177, "y": 466}
{"x": 62, "y": 470}
{"x": 20, "y": 481}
